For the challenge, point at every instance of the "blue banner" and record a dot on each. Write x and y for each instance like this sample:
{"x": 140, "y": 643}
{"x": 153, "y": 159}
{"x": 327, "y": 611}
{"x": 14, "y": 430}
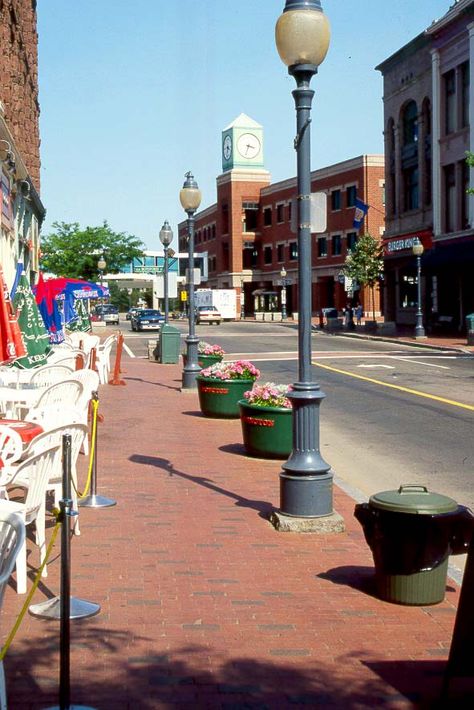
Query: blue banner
{"x": 361, "y": 210}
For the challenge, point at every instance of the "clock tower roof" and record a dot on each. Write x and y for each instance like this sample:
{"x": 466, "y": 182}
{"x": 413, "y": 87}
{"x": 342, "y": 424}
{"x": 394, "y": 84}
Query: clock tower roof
{"x": 243, "y": 121}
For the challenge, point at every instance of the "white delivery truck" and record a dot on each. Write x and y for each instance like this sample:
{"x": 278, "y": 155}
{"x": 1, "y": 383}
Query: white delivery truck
{"x": 224, "y": 299}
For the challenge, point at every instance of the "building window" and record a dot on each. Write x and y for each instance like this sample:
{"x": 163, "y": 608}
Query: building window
{"x": 249, "y": 216}
{"x": 213, "y": 231}
{"x": 351, "y": 194}
{"x": 267, "y": 255}
{"x": 280, "y": 213}
{"x": 449, "y": 198}
{"x": 293, "y": 251}
{"x": 465, "y": 195}
{"x": 336, "y": 200}
{"x": 410, "y": 123}
{"x": 280, "y": 252}
{"x": 449, "y": 81}
{"x": 408, "y": 292}
{"x": 351, "y": 240}
{"x": 225, "y": 218}
{"x": 322, "y": 246}
{"x": 410, "y": 184}
{"x": 290, "y": 206}
{"x": 267, "y": 217}
{"x": 465, "y": 80}
{"x": 336, "y": 245}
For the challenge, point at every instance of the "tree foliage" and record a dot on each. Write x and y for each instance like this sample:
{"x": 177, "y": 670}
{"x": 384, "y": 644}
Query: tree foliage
{"x": 470, "y": 162}
{"x": 74, "y": 252}
{"x": 364, "y": 263}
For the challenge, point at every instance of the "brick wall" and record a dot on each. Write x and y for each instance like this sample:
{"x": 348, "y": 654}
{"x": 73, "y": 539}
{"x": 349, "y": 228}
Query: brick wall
{"x": 19, "y": 79}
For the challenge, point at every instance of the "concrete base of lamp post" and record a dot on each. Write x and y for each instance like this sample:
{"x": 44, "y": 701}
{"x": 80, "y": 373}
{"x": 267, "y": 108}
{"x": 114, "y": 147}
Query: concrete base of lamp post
{"x": 420, "y": 337}
{"x": 325, "y": 525}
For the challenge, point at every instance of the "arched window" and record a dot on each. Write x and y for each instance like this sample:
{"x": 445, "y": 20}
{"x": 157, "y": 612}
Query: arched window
{"x": 427, "y": 183}
{"x": 410, "y": 123}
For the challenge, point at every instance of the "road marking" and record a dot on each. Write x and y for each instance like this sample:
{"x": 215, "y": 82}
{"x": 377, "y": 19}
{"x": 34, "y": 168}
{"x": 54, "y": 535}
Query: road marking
{"x": 127, "y": 350}
{"x": 375, "y": 365}
{"x": 469, "y": 407}
{"x": 419, "y": 362}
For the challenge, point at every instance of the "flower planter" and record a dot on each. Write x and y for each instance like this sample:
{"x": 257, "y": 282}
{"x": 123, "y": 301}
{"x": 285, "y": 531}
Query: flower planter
{"x": 220, "y": 398}
{"x": 267, "y": 431}
{"x": 204, "y": 360}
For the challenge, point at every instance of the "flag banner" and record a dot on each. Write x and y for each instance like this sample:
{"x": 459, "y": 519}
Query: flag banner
{"x": 361, "y": 210}
{"x": 81, "y": 321}
{"x": 33, "y": 330}
{"x": 11, "y": 342}
{"x": 18, "y": 273}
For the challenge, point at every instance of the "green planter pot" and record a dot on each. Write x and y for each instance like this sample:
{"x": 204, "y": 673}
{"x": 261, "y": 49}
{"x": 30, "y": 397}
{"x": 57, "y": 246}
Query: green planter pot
{"x": 204, "y": 360}
{"x": 267, "y": 431}
{"x": 220, "y": 398}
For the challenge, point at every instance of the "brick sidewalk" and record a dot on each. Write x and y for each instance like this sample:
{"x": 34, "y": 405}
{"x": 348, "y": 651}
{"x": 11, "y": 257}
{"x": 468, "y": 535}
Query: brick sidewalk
{"x": 204, "y": 605}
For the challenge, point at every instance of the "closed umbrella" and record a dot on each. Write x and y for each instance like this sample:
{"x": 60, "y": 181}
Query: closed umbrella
{"x": 35, "y": 335}
{"x": 11, "y": 343}
{"x": 81, "y": 322}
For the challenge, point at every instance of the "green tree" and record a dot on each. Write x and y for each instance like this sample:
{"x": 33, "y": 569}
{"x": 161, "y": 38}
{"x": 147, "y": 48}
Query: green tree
{"x": 470, "y": 162}
{"x": 364, "y": 264}
{"x": 74, "y": 252}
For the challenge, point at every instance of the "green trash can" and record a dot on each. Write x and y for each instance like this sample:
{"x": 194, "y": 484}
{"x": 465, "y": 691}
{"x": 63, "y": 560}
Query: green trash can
{"x": 470, "y": 322}
{"x": 411, "y": 533}
{"x": 169, "y": 345}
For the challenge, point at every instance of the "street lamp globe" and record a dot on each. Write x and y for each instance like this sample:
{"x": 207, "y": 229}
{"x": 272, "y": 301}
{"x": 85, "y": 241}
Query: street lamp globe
{"x": 302, "y": 33}
{"x": 283, "y": 273}
{"x": 166, "y": 234}
{"x": 101, "y": 264}
{"x": 418, "y": 248}
{"x": 190, "y": 194}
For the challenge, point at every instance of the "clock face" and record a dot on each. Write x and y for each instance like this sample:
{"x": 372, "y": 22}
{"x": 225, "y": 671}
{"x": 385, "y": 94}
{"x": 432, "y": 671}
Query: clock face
{"x": 227, "y": 147}
{"x": 248, "y": 145}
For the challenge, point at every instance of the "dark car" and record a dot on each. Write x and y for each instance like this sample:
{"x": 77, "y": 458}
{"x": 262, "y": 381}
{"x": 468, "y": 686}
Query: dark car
{"x": 147, "y": 319}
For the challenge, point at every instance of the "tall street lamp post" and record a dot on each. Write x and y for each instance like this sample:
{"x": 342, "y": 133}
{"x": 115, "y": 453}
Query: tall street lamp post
{"x": 284, "y": 284}
{"x": 418, "y": 250}
{"x": 302, "y": 38}
{"x": 190, "y": 198}
{"x": 101, "y": 264}
{"x": 242, "y": 300}
{"x": 166, "y": 236}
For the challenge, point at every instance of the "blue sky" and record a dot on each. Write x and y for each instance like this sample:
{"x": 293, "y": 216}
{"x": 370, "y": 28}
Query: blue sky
{"x": 134, "y": 94}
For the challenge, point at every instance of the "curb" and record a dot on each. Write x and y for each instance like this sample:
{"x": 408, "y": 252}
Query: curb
{"x": 403, "y": 341}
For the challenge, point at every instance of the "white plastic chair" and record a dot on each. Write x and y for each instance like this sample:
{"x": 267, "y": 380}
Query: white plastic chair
{"x": 12, "y": 537}
{"x": 11, "y": 450}
{"x": 33, "y": 473}
{"x": 50, "y": 374}
{"x": 54, "y": 400}
{"x": 54, "y": 437}
{"x": 103, "y": 358}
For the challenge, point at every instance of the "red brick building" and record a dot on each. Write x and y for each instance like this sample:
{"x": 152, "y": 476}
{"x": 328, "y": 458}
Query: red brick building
{"x": 22, "y": 211}
{"x": 248, "y": 233}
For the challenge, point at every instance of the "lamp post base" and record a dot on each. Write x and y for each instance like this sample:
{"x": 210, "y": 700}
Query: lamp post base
{"x": 191, "y": 369}
{"x": 324, "y": 525}
{"x": 306, "y": 496}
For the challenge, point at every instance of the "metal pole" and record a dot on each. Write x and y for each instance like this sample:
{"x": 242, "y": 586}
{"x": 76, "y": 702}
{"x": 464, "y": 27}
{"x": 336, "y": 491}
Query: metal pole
{"x": 166, "y": 287}
{"x": 191, "y": 368}
{"x": 283, "y": 299}
{"x": 242, "y": 301}
{"x": 65, "y": 505}
{"x": 419, "y": 329}
{"x": 306, "y": 480}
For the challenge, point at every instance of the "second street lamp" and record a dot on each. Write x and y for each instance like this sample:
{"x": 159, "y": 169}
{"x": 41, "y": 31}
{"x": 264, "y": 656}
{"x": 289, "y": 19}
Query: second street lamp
{"x": 418, "y": 250}
{"x": 190, "y": 198}
{"x": 284, "y": 283}
{"x": 302, "y": 39}
{"x": 101, "y": 264}
{"x": 166, "y": 236}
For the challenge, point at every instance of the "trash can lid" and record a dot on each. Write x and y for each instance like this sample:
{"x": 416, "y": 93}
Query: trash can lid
{"x": 412, "y": 498}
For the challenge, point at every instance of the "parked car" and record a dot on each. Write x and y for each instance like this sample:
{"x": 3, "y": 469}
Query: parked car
{"x": 130, "y": 312}
{"x": 208, "y": 314}
{"x": 147, "y": 319}
{"x": 107, "y": 313}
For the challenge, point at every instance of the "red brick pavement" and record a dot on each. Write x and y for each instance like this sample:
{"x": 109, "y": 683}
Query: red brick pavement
{"x": 204, "y": 604}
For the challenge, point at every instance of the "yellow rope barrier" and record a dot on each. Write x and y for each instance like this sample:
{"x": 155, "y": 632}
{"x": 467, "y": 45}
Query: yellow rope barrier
{"x": 95, "y": 407}
{"x": 23, "y": 611}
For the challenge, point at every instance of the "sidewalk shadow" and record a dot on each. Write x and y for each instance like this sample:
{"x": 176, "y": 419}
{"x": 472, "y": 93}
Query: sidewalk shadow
{"x": 156, "y": 384}
{"x": 233, "y": 449}
{"x": 264, "y": 508}
{"x": 355, "y": 576}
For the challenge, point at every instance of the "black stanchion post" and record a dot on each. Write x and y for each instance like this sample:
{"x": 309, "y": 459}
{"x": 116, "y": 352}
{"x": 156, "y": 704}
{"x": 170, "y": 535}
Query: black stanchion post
{"x": 93, "y": 500}
{"x": 65, "y": 505}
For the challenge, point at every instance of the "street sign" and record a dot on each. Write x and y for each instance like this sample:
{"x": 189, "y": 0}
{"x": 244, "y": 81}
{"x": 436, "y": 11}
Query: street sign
{"x": 184, "y": 295}
{"x": 284, "y": 282}
{"x": 197, "y": 276}
{"x": 318, "y": 213}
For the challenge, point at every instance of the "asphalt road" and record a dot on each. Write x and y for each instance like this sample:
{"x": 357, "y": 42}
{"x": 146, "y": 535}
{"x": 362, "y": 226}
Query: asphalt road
{"x": 392, "y": 414}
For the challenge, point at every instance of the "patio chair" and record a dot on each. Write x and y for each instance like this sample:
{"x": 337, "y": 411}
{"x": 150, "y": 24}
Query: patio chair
{"x": 49, "y": 374}
{"x": 54, "y": 400}
{"x": 11, "y": 450}
{"x": 12, "y": 537}
{"x": 103, "y": 358}
{"x": 33, "y": 474}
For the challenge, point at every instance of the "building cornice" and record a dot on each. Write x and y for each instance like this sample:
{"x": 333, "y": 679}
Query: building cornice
{"x": 459, "y": 7}
{"x": 243, "y": 175}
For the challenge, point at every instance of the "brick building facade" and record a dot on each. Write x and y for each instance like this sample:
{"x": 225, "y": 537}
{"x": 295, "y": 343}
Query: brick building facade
{"x": 22, "y": 211}
{"x": 428, "y": 127}
{"x": 247, "y": 234}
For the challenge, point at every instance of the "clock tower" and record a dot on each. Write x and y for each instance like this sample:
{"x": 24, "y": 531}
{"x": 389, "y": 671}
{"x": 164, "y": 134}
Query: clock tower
{"x": 242, "y": 144}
